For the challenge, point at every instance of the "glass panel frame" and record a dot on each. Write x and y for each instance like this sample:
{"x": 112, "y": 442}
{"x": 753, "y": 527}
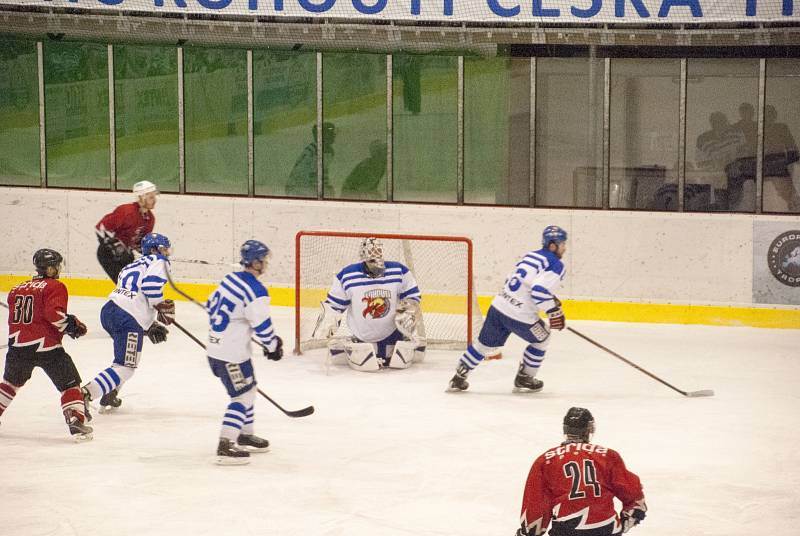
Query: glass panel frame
{"x": 781, "y": 165}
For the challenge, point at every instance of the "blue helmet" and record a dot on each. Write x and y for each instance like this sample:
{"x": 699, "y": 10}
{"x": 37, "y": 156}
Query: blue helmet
{"x": 153, "y": 241}
{"x": 553, "y": 233}
{"x": 252, "y": 251}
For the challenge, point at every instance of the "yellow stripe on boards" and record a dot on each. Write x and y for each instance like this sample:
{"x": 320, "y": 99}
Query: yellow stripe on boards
{"x": 655, "y": 313}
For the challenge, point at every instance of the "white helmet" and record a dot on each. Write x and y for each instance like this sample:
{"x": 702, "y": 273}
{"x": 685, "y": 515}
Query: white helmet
{"x": 144, "y": 187}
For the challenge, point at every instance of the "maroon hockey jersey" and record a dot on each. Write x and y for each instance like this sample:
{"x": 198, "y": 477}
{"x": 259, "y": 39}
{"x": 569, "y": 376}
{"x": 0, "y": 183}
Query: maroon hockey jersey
{"x": 127, "y": 224}
{"x": 37, "y": 313}
{"x": 577, "y": 483}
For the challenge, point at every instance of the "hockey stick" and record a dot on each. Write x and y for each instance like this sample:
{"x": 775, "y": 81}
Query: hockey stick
{"x": 693, "y": 394}
{"x": 198, "y": 261}
{"x": 289, "y": 413}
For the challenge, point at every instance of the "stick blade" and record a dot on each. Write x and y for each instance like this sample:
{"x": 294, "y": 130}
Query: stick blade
{"x": 305, "y": 412}
{"x": 702, "y": 392}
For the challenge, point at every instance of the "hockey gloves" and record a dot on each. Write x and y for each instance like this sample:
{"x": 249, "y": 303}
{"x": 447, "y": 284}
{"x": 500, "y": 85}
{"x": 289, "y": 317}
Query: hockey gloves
{"x": 633, "y": 516}
{"x": 166, "y": 312}
{"x": 556, "y": 316}
{"x": 408, "y": 314}
{"x": 277, "y": 353}
{"x": 157, "y": 333}
{"x": 115, "y": 248}
{"x": 75, "y": 328}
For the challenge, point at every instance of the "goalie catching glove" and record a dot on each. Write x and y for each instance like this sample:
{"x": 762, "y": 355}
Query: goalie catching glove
{"x": 166, "y": 312}
{"x": 327, "y": 322}
{"x": 407, "y": 317}
{"x": 277, "y": 353}
{"x": 157, "y": 333}
{"x": 74, "y": 328}
{"x": 556, "y": 316}
{"x": 633, "y": 516}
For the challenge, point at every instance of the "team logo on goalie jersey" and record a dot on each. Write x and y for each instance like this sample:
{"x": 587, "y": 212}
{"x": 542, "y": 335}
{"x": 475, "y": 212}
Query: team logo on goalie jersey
{"x": 377, "y": 303}
{"x": 783, "y": 258}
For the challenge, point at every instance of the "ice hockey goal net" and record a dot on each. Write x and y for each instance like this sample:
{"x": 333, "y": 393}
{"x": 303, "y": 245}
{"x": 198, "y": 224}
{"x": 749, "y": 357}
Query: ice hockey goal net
{"x": 442, "y": 267}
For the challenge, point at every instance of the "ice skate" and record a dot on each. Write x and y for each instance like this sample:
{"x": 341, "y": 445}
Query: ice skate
{"x": 525, "y": 383}
{"x": 87, "y": 397}
{"x": 459, "y": 382}
{"x": 80, "y": 431}
{"x": 253, "y": 443}
{"x": 229, "y": 454}
{"x": 110, "y": 401}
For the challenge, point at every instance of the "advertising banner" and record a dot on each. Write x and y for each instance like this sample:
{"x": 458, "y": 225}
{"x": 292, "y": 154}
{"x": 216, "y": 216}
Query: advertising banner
{"x": 776, "y": 263}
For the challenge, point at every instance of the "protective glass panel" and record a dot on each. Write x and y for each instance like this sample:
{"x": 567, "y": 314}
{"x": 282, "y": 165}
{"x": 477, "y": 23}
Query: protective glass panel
{"x": 781, "y": 126}
{"x": 721, "y": 131}
{"x": 569, "y": 132}
{"x": 76, "y": 114}
{"x": 19, "y": 113}
{"x": 645, "y": 101}
{"x": 425, "y": 127}
{"x": 146, "y": 115}
{"x": 354, "y": 128}
{"x": 284, "y": 113}
{"x": 497, "y": 107}
{"x": 215, "y": 89}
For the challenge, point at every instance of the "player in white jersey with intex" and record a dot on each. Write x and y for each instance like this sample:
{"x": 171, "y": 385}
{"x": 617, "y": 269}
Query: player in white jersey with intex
{"x": 515, "y": 309}
{"x": 130, "y": 314}
{"x": 238, "y": 309}
{"x": 381, "y": 299}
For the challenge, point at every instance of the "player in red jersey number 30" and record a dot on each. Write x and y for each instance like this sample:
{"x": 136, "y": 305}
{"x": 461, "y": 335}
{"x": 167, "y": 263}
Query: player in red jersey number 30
{"x": 574, "y": 486}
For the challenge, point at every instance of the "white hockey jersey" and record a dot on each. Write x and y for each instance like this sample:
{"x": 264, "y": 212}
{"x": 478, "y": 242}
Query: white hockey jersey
{"x": 238, "y": 309}
{"x": 530, "y": 288}
{"x": 371, "y": 303}
{"x": 140, "y": 287}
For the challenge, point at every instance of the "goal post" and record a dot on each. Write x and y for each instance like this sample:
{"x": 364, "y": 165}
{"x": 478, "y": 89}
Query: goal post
{"x": 441, "y": 265}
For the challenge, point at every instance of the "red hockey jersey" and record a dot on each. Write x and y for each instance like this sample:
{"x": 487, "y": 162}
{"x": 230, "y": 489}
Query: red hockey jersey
{"x": 37, "y": 311}
{"x": 127, "y": 224}
{"x": 578, "y": 482}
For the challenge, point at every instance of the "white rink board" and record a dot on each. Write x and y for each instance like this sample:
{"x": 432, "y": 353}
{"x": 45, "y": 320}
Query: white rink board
{"x": 618, "y": 256}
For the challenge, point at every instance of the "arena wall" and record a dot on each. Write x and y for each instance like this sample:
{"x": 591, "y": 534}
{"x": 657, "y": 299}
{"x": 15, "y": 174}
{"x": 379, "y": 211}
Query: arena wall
{"x": 621, "y": 265}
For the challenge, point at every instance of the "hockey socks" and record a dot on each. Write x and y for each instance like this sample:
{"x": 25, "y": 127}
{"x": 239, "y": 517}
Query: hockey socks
{"x": 471, "y": 358}
{"x": 532, "y": 358}
{"x": 233, "y": 421}
{"x": 7, "y": 394}
{"x": 108, "y": 380}
{"x": 72, "y": 404}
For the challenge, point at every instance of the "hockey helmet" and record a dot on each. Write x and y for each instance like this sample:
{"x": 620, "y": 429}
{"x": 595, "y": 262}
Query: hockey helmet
{"x": 45, "y": 258}
{"x": 579, "y": 424}
{"x": 371, "y": 252}
{"x": 553, "y": 233}
{"x": 253, "y": 251}
{"x": 144, "y": 187}
{"x": 154, "y": 241}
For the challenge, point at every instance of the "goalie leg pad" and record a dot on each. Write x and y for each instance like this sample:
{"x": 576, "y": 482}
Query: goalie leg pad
{"x": 337, "y": 352}
{"x": 407, "y": 352}
{"x": 362, "y": 356}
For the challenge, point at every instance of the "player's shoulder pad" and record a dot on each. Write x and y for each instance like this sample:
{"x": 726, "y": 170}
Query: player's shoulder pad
{"x": 160, "y": 257}
{"x": 256, "y": 286}
{"x": 395, "y": 264}
{"x": 356, "y": 267}
{"x": 554, "y": 263}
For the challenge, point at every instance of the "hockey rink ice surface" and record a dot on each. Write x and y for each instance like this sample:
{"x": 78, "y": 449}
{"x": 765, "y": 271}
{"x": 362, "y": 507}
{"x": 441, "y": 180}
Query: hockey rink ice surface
{"x": 392, "y": 454}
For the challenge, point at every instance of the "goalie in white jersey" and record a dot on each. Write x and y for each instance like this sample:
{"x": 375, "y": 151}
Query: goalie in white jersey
{"x": 515, "y": 309}
{"x": 238, "y": 310}
{"x": 131, "y": 313}
{"x": 381, "y": 299}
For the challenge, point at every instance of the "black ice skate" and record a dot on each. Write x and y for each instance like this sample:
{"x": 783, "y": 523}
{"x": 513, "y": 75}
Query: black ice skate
{"x": 525, "y": 383}
{"x": 80, "y": 432}
{"x": 253, "y": 443}
{"x": 459, "y": 382}
{"x": 229, "y": 454}
{"x": 86, "y": 399}
{"x": 110, "y": 401}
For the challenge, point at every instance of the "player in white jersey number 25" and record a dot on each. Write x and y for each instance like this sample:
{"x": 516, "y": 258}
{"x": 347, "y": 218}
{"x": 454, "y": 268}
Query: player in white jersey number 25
{"x": 515, "y": 309}
{"x": 381, "y": 299}
{"x": 238, "y": 310}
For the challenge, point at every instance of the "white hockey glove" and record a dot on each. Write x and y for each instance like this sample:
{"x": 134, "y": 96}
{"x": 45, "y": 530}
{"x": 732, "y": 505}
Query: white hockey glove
{"x": 327, "y": 322}
{"x": 633, "y": 516}
{"x": 407, "y": 317}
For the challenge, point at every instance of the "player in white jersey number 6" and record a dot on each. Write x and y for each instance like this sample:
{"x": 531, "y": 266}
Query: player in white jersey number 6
{"x": 238, "y": 309}
{"x": 134, "y": 309}
{"x": 515, "y": 309}
{"x": 381, "y": 299}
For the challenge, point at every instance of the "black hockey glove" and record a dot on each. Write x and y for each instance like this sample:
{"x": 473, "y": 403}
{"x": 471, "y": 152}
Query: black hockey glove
{"x": 556, "y": 316}
{"x": 75, "y": 328}
{"x": 633, "y": 516}
{"x": 276, "y": 354}
{"x": 157, "y": 333}
{"x": 115, "y": 248}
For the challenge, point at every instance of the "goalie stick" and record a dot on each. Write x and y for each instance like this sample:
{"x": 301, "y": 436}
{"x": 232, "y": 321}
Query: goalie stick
{"x": 304, "y": 412}
{"x": 691, "y": 394}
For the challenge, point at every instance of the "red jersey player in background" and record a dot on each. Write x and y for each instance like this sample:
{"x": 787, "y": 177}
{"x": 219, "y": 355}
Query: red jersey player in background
{"x": 574, "y": 486}
{"x": 121, "y": 231}
{"x": 37, "y": 321}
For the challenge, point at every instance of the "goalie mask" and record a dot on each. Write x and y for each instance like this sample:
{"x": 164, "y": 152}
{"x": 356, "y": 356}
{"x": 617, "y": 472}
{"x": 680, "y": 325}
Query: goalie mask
{"x": 579, "y": 425}
{"x": 371, "y": 253}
